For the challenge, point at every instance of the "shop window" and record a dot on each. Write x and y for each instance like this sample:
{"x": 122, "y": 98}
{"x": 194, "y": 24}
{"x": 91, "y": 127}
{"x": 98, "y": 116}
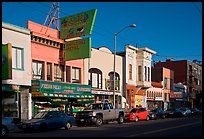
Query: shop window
{"x": 68, "y": 73}
{"x": 58, "y": 73}
{"x": 95, "y": 78}
{"x": 130, "y": 71}
{"x": 49, "y": 71}
{"x": 17, "y": 58}
{"x": 37, "y": 70}
{"x": 76, "y": 75}
{"x": 9, "y": 105}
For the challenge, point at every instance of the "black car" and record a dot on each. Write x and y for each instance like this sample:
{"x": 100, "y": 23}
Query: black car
{"x": 174, "y": 113}
{"x": 196, "y": 111}
{"x": 157, "y": 113}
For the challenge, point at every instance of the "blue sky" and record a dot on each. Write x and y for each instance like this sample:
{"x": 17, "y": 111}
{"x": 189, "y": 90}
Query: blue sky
{"x": 172, "y": 29}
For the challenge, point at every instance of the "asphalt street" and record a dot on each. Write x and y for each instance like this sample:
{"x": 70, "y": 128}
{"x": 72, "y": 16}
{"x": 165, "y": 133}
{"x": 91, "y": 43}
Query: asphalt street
{"x": 169, "y": 127}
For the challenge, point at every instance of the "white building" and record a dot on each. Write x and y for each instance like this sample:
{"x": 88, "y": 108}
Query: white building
{"x": 98, "y": 72}
{"x": 16, "y": 99}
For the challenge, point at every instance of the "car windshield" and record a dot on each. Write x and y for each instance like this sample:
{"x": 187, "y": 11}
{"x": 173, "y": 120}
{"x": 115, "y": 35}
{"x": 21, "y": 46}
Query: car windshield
{"x": 93, "y": 106}
{"x": 40, "y": 115}
{"x": 133, "y": 110}
{"x": 96, "y": 106}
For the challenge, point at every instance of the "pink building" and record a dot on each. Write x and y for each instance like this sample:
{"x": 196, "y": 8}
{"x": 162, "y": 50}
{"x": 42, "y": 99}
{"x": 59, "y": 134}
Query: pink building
{"x": 54, "y": 80}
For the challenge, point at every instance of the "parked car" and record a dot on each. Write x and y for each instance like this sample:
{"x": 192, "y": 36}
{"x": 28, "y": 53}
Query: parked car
{"x": 47, "y": 120}
{"x": 137, "y": 114}
{"x": 196, "y": 111}
{"x": 7, "y": 125}
{"x": 99, "y": 113}
{"x": 156, "y": 113}
{"x": 185, "y": 111}
{"x": 173, "y": 113}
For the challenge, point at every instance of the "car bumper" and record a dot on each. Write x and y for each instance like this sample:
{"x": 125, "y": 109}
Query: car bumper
{"x": 86, "y": 120}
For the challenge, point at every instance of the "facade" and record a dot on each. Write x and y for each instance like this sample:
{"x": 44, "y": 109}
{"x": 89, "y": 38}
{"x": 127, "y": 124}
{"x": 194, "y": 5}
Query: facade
{"x": 166, "y": 77}
{"x": 155, "y": 96}
{"x": 143, "y": 73}
{"x": 98, "y": 72}
{"x": 189, "y": 74}
{"x": 55, "y": 82}
{"x": 137, "y": 74}
{"x": 16, "y": 96}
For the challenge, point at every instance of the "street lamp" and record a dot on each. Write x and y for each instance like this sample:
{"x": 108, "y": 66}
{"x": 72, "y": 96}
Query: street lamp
{"x": 115, "y": 35}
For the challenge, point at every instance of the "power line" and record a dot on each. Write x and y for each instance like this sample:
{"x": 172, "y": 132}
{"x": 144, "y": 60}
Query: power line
{"x": 31, "y": 7}
{"x": 197, "y": 8}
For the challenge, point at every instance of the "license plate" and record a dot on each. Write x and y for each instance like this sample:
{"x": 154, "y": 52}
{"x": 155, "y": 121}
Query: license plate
{"x": 82, "y": 120}
{"x": 24, "y": 126}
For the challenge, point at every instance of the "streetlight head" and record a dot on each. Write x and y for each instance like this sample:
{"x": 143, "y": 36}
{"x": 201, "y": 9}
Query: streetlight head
{"x": 132, "y": 26}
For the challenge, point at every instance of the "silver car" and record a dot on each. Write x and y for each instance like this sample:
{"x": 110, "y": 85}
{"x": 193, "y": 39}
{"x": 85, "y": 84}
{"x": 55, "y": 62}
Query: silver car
{"x": 7, "y": 125}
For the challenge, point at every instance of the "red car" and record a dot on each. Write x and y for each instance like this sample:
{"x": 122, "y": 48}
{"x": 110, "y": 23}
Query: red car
{"x": 137, "y": 114}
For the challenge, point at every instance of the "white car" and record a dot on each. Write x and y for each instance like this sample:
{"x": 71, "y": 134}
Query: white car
{"x": 7, "y": 125}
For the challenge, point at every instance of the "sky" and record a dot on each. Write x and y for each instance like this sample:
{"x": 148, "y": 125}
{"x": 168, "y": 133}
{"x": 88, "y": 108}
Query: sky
{"x": 172, "y": 29}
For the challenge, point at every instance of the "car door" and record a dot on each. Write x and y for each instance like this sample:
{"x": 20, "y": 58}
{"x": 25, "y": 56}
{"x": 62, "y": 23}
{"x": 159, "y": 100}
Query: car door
{"x": 112, "y": 111}
{"x": 106, "y": 111}
{"x": 143, "y": 113}
{"x": 52, "y": 120}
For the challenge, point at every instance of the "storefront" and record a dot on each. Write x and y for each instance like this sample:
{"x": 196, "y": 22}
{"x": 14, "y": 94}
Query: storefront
{"x": 101, "y": 95}
{"x": 15, "y": 101}
{"x": 177, "y": 99}
{"x": 54, "y": 95}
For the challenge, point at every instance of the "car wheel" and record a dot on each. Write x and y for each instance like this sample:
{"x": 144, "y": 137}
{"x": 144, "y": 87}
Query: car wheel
{"x": 68, "y": 125}
{"x": 136, "y": 119}
{"x": 99, "y": 121}
{"x": 147, "y": 118}
{"x": 120, "y": 119}
{"x": 4, "y": 131}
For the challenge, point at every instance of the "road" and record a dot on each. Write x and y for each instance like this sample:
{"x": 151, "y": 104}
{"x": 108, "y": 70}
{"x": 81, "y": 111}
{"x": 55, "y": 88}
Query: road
{"x": 169, "y": 127}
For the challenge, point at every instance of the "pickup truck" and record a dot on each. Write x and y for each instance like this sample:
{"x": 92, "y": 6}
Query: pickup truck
{"x": 98, "y": 113}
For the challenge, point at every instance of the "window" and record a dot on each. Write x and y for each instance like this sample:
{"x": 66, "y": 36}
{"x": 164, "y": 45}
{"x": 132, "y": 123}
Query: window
{"x": 37, "y": 70}
{"x": 117, "y": 80}
{"x": 165, "y": 83}
{"x": 130, "y": 71}
{"x": 148, "y": 74}
{"x": 171, "y": 84}
{"x": 58, "y": 73}
{"x": 95, "y": 78}
{"x": 75, "y": 75}
{"x": 140, "y": 73}
{"x": 145, "y": 73}
{"x": 49, "y": 71}
{"x": 17, "y": 58}
{"x": 68, "y": 73}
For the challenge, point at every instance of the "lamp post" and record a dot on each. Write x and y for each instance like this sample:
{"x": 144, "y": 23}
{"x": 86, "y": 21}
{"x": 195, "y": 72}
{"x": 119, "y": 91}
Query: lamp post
{"x": 115, "y": 35}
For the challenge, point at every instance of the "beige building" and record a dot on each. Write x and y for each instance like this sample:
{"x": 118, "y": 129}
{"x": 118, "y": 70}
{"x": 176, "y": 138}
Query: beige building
{"x": 98, "y": 72}
{"x": 16, "y": 97}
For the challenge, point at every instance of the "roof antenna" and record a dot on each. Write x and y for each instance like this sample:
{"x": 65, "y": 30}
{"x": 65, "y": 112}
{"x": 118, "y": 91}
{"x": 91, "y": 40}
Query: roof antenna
{"x": 52, "y": 17}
